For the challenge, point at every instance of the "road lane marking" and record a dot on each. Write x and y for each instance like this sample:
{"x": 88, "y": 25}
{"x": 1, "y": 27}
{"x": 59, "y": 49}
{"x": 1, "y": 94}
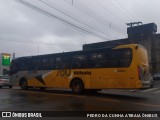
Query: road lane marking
{"x": 109, "y": 100}
{"x": 156, "y": 92}
{"x": 150, "y": 105}
{"x": 133, "y": 90}
{"x": 67, "y": 95}
{"x": 148, "y": 90}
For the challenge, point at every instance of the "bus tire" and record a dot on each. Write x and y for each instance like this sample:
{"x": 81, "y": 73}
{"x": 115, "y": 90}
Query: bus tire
{"x": 23, "y": 84}
{"x": 77, "y": 86}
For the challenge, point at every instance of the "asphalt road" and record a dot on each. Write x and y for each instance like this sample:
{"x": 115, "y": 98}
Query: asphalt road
{"x": 16, "y": 99}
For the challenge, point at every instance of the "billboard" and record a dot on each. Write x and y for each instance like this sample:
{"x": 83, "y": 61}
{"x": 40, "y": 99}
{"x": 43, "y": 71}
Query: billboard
{"x": 6, "y": 59}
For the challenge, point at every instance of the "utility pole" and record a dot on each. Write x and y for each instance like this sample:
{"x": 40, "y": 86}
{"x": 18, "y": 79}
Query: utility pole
{"x": 133, "y": 23}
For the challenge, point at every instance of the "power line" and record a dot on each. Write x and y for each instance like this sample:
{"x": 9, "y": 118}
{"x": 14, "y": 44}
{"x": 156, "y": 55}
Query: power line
{"x": 99, "y": 17}
{"x": 84, "y": 9}
{"x": 51, "y": 15}
{"x": 127, "y": 12}
{"x": 88, "y": 12}
{"x": 109, "y": 11}
{"x": 98, "y": 3}
{"x": 13, "y": 40}
{"x": 72, "y": 16}
{"x": 123, "y": 13}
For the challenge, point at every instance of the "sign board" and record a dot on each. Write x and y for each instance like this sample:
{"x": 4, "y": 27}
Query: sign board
{"x": 6, "y": 59}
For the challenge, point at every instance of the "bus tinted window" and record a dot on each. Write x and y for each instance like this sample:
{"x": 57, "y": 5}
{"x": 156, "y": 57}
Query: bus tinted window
{"x": 58, "y": 59}
{"x": 58, "y": 63}
{"x": 95, "y": 56}
{"x": 39, "y": 63}
{"x": 24, "y": 64}
{"x": 79, "y": 57}
{"x": 66, "y": 62}
{"x": 111, "y": 59}
{"x": 79, "y": 61}
{"x": 51, "y": 62}
{"x": 46, "y": 64}
{"x": 119, "y": 58}
{"x": 14, "y": 67}
{"x": 101, "y": 56}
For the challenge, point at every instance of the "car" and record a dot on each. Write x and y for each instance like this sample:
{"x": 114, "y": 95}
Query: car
{"x": 5, "y": 81}
{"x": 156, "y": 76}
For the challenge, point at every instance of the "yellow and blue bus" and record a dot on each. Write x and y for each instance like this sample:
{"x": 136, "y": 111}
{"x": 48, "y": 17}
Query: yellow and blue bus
{"x": 123, "y": 66}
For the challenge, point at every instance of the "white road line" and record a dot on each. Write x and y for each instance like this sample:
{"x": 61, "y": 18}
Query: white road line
{"x": 148, "y": 90}
{"x": 156, "y": 92}
{"x": 133, "y": 90}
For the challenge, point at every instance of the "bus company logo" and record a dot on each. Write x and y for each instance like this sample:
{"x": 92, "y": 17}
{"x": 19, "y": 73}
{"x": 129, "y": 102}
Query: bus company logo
{"x": 6, "y": 114}
{"x": 82, "y": 72}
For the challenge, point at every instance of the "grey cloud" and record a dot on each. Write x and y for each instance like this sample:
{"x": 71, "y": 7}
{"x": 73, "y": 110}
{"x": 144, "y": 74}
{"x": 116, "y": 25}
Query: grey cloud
{"x": 24, "y": 25}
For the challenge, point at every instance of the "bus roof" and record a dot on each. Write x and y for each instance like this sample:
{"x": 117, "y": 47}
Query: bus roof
{"x": 80, "y": 51}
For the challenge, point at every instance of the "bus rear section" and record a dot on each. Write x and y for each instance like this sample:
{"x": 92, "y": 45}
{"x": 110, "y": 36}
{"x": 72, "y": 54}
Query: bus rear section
{"x": 144, "y": 77}
{"x": 134, "y": 72}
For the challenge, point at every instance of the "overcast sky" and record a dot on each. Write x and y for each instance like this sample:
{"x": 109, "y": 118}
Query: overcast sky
{"x": 54, "y": 26}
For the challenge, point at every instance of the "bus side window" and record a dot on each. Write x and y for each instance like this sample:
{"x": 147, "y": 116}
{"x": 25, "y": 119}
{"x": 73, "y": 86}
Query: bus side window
{"x": 118, "y": 58}
{"x": 58, "y": 64}
{"x": 33, "y": 64}
{"x": 45, "y": 62}
{"x": 39, "y": 65}
{"x": 126, "y": 57}
{"x": 66, "y": 62}
{"x": 93, "y": 56}
{"x": 101, "y": 60}
{"x": 51, "y": 62}
{"x": 101, "y": 56}
{"x": 24, "y": 64}
{"x": 93, "y": 60}
{"x": 79, "y": 61}
{"x": 14, "y": 67}
{"x": 75, "y": 62}
{"x": 97, "y": 60}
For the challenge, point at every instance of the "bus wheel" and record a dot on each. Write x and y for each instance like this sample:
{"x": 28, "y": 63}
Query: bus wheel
{"x": 23, "y": 84}
{"x": 77, "y": 86}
